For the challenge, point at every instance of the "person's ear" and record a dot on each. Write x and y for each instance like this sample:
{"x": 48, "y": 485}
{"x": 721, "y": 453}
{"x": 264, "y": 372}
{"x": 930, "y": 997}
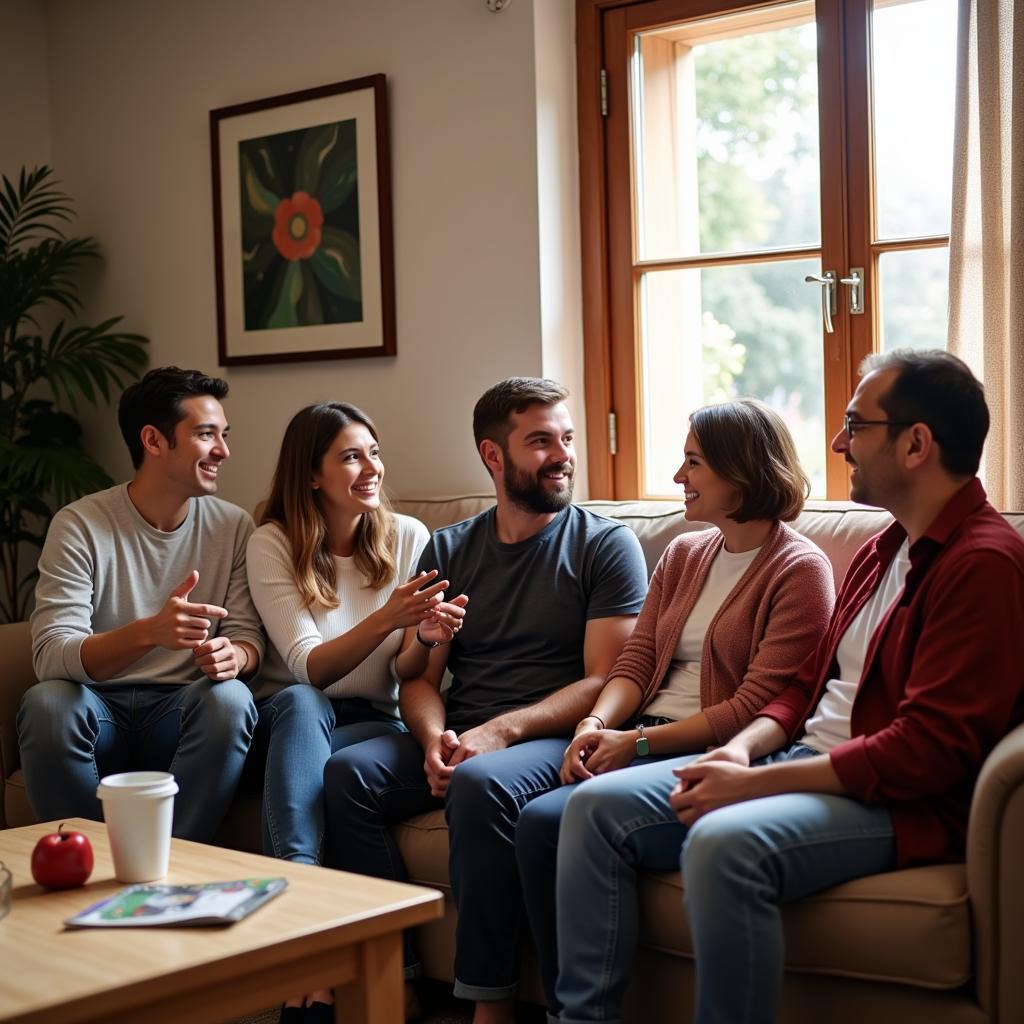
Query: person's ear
{"x": 153, "y": 441}
{"x": 493, "y": 456}
{"x": 919, "y": 445}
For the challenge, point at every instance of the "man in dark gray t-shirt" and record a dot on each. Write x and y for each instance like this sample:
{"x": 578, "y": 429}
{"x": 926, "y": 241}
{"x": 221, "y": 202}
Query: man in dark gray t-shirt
{"x": 553, "y": 592}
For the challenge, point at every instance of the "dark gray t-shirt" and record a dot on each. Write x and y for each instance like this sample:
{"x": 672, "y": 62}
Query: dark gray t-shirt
{"x": 529, "y": 605}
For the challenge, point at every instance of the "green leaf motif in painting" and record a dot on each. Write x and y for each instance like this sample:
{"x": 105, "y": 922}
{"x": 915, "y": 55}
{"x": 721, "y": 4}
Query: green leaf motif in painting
{"x": 258, "y": 202}
{"x": 326, "y": 163}
{"x": 284, "y": 310}
{"x": 336, "y": 264}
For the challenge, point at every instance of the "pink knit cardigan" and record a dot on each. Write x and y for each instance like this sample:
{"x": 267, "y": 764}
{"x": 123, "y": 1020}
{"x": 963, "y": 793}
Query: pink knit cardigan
{"x": 770, "y": 621}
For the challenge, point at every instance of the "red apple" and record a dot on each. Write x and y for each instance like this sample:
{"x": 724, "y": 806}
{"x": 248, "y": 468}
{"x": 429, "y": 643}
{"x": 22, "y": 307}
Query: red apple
{"x": 62, "y": 860}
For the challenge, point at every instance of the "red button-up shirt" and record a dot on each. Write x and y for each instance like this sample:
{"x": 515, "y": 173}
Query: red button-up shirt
{"x": 943, "y": 679}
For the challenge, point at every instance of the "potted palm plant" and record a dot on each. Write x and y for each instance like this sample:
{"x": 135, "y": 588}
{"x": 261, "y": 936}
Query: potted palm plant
{"x": 45, "y": 372}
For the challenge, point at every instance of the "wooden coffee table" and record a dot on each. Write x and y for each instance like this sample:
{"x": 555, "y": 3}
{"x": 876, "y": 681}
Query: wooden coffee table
{"x": 328, "y": 929}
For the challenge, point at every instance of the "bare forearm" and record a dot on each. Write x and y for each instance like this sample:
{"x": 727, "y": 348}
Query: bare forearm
{"x": 763, "y": 736}
{"x": 106, "y": 655}
{"x": 334, "y": 659}
{"x": 804, "y": 775}
{"x": 688, "y": 736}
{"x": 556, "y": 715}
{"x": 412, "y": 658}
{"x": 617, "y": 702}
{"x": 422, "y": 709}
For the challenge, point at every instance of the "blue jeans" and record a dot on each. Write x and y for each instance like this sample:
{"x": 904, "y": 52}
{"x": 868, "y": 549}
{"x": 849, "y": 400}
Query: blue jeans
{"x": 71, "y": 734}
{"x": 299, "y": 728}
{"x": 537, "y": 842}
{"x": 370, "y": 786}
{"x": 739, "y": 863}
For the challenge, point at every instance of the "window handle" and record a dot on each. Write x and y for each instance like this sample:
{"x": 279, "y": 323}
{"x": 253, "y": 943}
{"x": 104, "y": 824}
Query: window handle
{"x": 855, "y": 282}
{"x": 828, "y": 296}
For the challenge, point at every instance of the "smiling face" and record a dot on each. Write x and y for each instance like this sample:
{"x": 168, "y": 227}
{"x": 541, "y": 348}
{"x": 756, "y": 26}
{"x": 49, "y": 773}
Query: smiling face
{"x": 709, "y": 498}
{"x": 540, "y": 459}
{"x": 351, "y": 472}
{"x": 875, "y": 476}
{"x": 200, "y": 446}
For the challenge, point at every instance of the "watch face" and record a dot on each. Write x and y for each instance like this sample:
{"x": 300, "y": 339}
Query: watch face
{"x": 643, "y": 748}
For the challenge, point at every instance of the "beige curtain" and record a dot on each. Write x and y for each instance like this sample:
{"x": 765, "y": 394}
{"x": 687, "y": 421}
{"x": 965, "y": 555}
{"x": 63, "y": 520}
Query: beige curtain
{"x": 986, "y": 246}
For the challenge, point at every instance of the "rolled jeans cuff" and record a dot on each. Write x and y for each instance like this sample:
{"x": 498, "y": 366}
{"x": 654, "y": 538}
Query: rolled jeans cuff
{"x": 484, "y": 993}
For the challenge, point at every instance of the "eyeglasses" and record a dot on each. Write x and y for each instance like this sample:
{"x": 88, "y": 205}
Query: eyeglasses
{"x": 851, "y": 426}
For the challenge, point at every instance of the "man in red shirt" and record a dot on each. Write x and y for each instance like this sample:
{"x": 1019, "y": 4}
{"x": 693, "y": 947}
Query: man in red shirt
{"x": 867, "y": 761}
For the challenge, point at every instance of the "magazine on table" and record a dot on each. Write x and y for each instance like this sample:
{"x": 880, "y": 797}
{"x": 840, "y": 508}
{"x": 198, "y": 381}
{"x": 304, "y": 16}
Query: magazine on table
{"x": 165, "y": 905}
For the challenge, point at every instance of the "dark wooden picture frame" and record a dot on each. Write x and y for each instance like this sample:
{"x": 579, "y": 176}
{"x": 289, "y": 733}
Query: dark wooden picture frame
{"x": 303, "y": 244}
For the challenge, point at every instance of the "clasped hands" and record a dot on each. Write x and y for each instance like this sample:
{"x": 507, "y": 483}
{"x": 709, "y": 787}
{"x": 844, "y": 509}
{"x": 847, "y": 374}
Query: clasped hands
{"x": 183, "y": 625}
{"x": 595, "y": 751}
{"x": 716, "y": 779}
{"x": 449, "y": 750}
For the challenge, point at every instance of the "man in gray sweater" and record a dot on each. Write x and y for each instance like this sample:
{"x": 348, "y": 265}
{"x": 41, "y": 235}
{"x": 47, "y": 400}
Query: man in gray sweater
{"x": 143, "y": 629}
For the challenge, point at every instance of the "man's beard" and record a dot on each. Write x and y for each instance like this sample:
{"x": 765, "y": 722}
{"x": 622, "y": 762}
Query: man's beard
{"x": 529, "y": 493}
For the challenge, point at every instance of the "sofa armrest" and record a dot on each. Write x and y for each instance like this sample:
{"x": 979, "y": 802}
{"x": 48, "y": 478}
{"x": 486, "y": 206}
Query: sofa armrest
{"x": 16, "y": 676}
{"x": 995, "y": 879}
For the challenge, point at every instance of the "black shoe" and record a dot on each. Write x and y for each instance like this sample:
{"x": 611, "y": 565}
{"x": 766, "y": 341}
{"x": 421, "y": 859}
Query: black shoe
{"x": 292, "y": 1015}
{"x": 318, "y": 1013}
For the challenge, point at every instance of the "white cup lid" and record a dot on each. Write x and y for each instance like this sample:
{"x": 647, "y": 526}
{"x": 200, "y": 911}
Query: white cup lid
{"x": 136, "y": 784}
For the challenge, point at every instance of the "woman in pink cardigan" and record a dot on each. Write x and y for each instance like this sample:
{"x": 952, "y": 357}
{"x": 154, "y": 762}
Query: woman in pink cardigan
{"x": 730, "y": 615}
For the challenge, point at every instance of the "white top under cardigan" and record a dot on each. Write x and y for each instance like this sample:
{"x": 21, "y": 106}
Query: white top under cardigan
{"x": 295, "y": 630}
{"x": 679, "y": 694}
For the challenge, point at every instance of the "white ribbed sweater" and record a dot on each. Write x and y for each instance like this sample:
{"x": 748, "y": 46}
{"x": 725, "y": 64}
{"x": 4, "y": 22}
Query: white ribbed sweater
{"x": 295, "y": 630}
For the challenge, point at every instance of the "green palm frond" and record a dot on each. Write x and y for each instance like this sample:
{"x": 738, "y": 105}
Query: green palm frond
{"x": 86, "y": 361}
{"x": 42, "y": 463}
{"x": 29, "y": 211}
{"x": 61, "y": 473}
{"x": 44, "y": 273}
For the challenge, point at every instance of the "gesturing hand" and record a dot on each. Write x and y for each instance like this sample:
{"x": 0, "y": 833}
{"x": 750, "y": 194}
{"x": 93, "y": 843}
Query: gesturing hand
{"x": 444, "y": 620}
{"x": 180, "y": 624}
{"x": 218, "y": 659}
{"x": 411, "y": 602}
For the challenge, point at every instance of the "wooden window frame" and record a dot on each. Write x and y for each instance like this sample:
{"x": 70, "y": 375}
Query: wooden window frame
{"x": 848, "y": 235}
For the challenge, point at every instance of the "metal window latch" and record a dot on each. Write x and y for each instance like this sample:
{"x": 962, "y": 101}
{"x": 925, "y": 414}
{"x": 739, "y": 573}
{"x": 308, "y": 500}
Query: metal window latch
{"x": 855, "y": 282}
{"x": 828, "y": 296}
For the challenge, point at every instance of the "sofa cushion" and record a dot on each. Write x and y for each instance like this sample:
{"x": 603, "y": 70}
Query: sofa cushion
{"x": 423, "y": 841}
{"x": 869, "y": 928}
{"x": 838, "y": 528}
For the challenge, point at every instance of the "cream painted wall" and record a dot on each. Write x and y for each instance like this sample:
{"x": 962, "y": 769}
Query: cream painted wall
{"x": 558, "y": 199}
{"x": 25, "y": 107}
{"x": 131, "y": 84}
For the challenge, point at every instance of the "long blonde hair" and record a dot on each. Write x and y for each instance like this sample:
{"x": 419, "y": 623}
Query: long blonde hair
{"x": 295, "y": 506}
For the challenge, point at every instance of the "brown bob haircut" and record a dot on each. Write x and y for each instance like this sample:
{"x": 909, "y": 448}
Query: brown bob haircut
{"x": 750, "y": 447}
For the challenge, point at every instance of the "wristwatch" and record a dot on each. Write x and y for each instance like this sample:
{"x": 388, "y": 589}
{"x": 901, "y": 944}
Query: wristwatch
{"x": 643, "y": 746}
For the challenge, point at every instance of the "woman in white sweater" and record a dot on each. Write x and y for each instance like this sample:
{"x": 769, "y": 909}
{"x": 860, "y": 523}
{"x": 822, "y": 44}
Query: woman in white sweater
{"x": 329, "y": 571}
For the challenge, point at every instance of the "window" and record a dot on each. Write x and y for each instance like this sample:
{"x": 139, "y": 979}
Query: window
{"x": 766, "y": 200}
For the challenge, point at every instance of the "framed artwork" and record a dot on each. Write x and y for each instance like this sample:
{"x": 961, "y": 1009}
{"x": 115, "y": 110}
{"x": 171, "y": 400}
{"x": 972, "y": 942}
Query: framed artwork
{"x": 302, "y": 225}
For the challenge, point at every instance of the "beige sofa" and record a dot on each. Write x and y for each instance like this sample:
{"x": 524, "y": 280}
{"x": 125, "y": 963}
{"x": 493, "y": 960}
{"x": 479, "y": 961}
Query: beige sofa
{"x": 936, "y": 945}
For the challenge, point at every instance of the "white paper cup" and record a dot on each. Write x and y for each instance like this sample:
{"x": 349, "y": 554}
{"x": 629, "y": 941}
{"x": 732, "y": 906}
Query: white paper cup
{"x": 138, "y": 808}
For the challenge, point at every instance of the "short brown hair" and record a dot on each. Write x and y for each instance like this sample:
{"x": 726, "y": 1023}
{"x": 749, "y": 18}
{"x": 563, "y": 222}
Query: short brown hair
{"x": 749, "y": 446}
{"x": 492, "y": 413}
